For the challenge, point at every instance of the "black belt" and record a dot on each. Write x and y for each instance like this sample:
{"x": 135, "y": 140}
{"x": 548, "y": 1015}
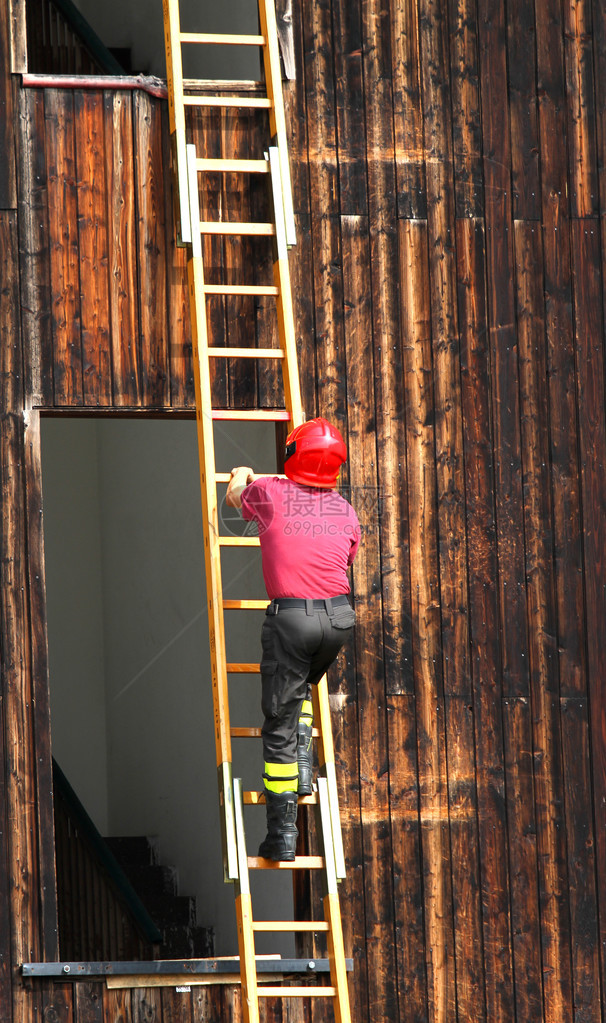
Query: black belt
{"x": 322, "y": 604}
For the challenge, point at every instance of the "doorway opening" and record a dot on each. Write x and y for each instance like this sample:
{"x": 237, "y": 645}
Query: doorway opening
{"x": 131, "y": 701}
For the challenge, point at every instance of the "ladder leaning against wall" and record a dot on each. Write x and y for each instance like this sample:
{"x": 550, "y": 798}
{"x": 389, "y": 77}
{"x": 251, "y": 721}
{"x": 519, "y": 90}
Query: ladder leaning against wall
{"x": 187, "y": 167}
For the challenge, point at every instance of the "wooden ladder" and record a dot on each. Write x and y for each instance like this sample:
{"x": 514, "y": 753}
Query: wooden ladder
{"x": 187, "y": 167}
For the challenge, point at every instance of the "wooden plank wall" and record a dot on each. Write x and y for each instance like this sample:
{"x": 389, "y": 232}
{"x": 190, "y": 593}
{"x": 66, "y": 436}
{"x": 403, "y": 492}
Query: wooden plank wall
{"x": 105, "y": 310}
{"x": 448, "y": 163}
{"x": 449, "y": 183}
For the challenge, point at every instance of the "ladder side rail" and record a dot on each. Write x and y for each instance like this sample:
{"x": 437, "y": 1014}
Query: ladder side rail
{"x": 284, "y": 309}
{"x": 246, "y": 935}
{"x": 210, "y": 518}
{"x": 277, "y": 119}
{"x": 332, "y": 910}
{"x": 326, "y": 757}
{"x": 176, "y": 114}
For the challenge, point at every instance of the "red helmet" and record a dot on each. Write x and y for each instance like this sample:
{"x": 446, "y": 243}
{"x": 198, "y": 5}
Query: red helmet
{"x": 315, "y": 451}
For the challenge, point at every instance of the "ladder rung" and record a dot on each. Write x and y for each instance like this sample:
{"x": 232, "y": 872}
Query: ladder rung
{"x": 222, "y": 38}
{"x": 252, "y": 732}
{"x": 238, "y": 541}
{"x": 245, "y": 605}
{"x": 243, "y": 669}
{"x": 241, "y": 289}
{"x": 266, "y": 415}
{"x": 299, "y": 863}
{"x": 233, "y": 166}
{"x": 258, "y": 798}
{"x": 290, "y": 925}
{"x": 246, "y": 353}
{"x": 265, "y": 991}
{"x": 260, "y": 102}
{"x": 228, "y": 228}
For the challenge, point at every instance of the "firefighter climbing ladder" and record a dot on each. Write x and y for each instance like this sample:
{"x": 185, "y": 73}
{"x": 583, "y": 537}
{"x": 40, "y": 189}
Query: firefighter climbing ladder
{"x": 187, "y": 167}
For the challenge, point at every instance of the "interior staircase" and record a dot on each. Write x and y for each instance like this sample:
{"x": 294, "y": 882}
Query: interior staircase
{"x": 157, "y": 886}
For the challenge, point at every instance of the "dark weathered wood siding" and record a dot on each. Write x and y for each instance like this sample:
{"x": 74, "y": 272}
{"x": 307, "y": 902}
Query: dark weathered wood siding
{"x": 448, "y": 166}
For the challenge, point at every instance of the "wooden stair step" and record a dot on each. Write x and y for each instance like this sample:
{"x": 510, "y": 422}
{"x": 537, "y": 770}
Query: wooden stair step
{"x": 259, "y": 415}
{"x": 222, "y": 164}
{"x": 243, "y": 668}
{"x": 227, "y": 227}
{"x": 299, "y": 863}
{"x": 267, "y": 991}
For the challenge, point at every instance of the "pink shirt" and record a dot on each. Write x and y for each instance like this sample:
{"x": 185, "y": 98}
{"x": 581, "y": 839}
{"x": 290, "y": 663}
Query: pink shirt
{"x": 308, "y": 537}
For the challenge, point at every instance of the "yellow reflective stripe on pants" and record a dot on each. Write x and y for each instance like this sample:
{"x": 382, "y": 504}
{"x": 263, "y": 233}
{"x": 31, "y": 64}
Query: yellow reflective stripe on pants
{"x": 281, "y": 777}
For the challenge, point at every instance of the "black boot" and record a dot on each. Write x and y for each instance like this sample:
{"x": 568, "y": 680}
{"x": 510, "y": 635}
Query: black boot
{"x": 304, "y": 758}
{"x": 282, "y": 831}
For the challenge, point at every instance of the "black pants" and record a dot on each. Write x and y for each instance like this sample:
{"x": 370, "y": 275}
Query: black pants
{"x": 299, "y": 644}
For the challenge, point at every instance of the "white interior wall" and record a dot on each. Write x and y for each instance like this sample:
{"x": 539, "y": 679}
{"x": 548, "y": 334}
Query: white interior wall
{"x": 75, "y": 610}
{"x": 138, "y": 26}
{"x": 144, "y": 604}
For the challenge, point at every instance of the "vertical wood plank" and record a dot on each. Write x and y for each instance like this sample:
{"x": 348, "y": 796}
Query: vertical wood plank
{"x": 581, "y": 842}
{"x": 63, "y": 233}
{"x": 34, "y": 250}
{"x": 466, "y": 120}
{"x": 93, "y": 247}
{"x": 19, "y": 764}
{"x": 302, "y": 288}
{"x": 425, "y": 613}
{"x": 146, "y": 1005}
{"x": 580, "y": 97}
{"x": 465, "y": 859}
{"x": 445, "y": 342}
{"x": 522, "y": 829}
{"x": 559, "y": 328}
{"x": 207, "y": 137}
{"x": 123, "y": 293}
{"x": 501, "y": 321}
{"x": 41, "y": 701}
{"x": 238, "y": 254}
{"x": 293, "y": 92}
{"x": 588, "y": 261}
{"x": 485, "y": 656}
{"x": 406, "y": 841}
{"x": 523, "y": 112}
{"x": 180, "y": 365}
{"x": 325, "y": 228}
{"x": 349, "y": 107}
{"x": 88, "y": 1002}
{"x": 598, "y": 20}
{"x": 58, "y": 1003}
{"x": 117, "y": 1005}
{"x": 10, "y": 402}
{"x": 540, "y": 578}
{"x": 176, "y": 1006}
{"x": 407, "y": 110}
{"x": 151, "y": 250}
{"x": 387, "y": 510}
{"x": 374, "y": 795}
